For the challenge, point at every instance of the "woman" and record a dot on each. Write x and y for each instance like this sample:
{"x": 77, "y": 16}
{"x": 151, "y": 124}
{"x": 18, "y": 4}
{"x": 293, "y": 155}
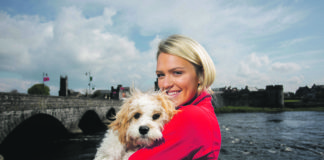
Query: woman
{"x": 185, "y": 72}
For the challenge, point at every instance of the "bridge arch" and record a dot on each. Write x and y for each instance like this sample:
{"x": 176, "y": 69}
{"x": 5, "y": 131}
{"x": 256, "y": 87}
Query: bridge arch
{"x": 32, "y": 135}
{"x": 91, "y": 123}
{"x": 111, "y": 114}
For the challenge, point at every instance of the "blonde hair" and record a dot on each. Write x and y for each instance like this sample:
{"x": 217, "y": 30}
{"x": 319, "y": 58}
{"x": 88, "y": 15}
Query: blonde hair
{"x": 193, "y": 52}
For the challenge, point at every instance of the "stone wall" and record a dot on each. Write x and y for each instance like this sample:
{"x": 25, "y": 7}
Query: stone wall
{"x": 15, "y": 108}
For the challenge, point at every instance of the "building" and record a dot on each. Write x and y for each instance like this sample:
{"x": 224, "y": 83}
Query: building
{"x": 272, "y": 96}
{"x": 63, "y": 86}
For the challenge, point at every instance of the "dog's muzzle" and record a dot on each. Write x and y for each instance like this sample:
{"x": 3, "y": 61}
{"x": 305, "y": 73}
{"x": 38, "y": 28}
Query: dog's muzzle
{"x": 143, "y": 129}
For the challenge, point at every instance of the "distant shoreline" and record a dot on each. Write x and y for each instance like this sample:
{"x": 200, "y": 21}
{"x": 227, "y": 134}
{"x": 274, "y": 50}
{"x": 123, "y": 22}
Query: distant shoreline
{"x": 248, "y": 109}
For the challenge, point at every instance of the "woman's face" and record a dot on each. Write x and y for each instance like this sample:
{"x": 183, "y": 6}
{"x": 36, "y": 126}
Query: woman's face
{"x": 177, "y": 77}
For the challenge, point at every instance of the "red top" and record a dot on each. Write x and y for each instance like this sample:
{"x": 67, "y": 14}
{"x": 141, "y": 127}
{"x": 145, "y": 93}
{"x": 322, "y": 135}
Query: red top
{"x": 192, "y": 133}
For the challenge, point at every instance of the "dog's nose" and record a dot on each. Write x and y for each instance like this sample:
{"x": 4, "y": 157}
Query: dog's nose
{"x": 144, "y": 129}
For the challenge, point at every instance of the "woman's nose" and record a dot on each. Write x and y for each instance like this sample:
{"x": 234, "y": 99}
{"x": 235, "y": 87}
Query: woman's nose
{"x": 166, "y": 83}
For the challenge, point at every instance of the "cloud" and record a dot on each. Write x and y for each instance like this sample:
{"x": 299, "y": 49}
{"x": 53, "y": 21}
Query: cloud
{"x": 245, "y": 70}
{"x": 9, "y": 84}
{"x": 292, "y": 42}
{"x": 285, "y": 67}
{"x": 109, "y": 56}
{"x": 253, "y": 64}
{"x": 258, "y": 70}
{"x": 254, "y": 60}
{"x": 256, "y": 64}
{"x": 96, "y": 36}
{"x": 296, "y": 79}
{"x": 71, "y": 45}
{"x": 20, "y": 35}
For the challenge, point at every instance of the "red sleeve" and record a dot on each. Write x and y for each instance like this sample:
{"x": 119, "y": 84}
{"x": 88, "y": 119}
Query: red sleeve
{"x": 192, "y": 133}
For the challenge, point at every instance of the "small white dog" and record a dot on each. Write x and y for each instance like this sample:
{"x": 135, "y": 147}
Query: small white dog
{"x": 138, "y": 124}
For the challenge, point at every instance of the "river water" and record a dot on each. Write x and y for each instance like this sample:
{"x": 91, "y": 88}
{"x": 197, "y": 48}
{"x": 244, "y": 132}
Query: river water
{"x": 245, "y": 136}
{"x": 284, "y": 135}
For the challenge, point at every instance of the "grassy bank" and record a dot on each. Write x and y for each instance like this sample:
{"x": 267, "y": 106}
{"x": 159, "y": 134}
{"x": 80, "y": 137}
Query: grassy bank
{"x": 292, "y": 100}
{"x": 247, "y": 109}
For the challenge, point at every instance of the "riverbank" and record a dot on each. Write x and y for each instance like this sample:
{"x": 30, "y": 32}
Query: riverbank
{"x": 248, "y": 109}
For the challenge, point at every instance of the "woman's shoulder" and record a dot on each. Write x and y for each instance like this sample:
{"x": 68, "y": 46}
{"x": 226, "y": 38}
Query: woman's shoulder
{"x": 202, "y": 108}
{"x": 191, "y": 111}
{"x": 193, "y": 123}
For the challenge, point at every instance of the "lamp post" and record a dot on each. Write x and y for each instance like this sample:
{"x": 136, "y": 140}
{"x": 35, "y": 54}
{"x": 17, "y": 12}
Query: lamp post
{"x": 89, "y": 84}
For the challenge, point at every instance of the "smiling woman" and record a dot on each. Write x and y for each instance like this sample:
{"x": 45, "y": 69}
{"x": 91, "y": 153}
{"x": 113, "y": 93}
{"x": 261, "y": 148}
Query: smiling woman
{"x": 185, "y": 73}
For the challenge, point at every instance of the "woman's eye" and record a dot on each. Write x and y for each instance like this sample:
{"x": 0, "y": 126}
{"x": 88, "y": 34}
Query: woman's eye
{"x": 159, "y": 75}
{"x": 177, "y": 72}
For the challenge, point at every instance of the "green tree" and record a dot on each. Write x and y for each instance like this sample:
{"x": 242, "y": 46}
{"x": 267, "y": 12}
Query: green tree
{"x": 39, "y": 89}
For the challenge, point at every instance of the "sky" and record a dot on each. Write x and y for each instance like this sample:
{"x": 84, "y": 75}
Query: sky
{"x": 252, "y": 43}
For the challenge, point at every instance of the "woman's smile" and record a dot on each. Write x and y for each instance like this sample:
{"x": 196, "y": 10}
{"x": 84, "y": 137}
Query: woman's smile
{"x": 172, "y": 94}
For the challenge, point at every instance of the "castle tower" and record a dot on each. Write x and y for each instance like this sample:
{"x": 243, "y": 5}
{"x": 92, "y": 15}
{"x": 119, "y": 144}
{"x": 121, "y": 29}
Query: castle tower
{"x": 114, "y": 94}
{"x": 63, "y": 86}
{"x": 275, "y": 96}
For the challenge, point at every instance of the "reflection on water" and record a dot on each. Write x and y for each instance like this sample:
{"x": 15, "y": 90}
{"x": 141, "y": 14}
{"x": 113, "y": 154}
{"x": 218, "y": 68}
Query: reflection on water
{"x": 285, "y": 135}
{"x": 78, "y": 147}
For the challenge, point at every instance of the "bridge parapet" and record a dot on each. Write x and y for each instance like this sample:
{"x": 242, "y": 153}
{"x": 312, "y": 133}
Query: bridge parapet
{"x": 12, "y": 102}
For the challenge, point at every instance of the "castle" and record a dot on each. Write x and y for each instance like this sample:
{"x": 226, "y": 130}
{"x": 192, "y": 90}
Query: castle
{"x": 272, "y": 96}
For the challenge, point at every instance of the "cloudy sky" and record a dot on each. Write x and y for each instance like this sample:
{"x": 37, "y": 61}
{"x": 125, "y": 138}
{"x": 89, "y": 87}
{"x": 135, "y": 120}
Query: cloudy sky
{"x": 254, "y": 43}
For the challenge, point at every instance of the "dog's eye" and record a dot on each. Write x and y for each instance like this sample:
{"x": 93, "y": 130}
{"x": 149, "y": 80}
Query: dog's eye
{"x": 156, "y": 116}
{"x": 137, "y": 115}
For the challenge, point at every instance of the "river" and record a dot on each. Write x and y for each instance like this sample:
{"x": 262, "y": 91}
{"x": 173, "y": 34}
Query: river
{"x": 284, "y": 135}
{"x": 245, "y": 136}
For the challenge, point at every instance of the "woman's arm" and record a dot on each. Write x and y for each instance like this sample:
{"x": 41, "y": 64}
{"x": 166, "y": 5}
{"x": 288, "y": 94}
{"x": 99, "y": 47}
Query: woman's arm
{"x": 193, "y": 133}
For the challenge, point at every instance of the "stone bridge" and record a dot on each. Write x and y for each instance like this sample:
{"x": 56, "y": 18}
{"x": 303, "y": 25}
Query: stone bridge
{"x": 17, "y": 108}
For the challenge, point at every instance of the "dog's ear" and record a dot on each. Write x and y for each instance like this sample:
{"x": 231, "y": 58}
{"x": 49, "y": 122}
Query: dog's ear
{"x": 135, "y": 91}
{"x": 122, "y": 121}
{"x": 167, "y": 104}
